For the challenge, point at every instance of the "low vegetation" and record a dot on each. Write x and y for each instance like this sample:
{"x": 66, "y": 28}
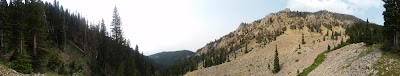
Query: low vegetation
{"x": 388, "y": 64}
{"x": 320, "y": 58}
{"x": 342, "y": 44}
{"x": 370, "y": 49}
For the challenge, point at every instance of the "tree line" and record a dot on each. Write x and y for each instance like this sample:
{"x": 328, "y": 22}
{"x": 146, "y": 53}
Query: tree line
{"x": 366, "y": 32}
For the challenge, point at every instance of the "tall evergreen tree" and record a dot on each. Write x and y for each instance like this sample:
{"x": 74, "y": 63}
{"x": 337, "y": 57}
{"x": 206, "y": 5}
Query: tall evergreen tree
{"x": 103, "y": 30}
{"x": 4, "y": 26}
{"x": 392, "y": 24}
{"x": 22, "y": 60}
{"x": 276, "y": 68}
{"x": 19, "y": 25}
{"x": 38, "y": 24}
{"x": 116, "y": 26}
{"x": 37, "y": 33}
{"x": 302, "y": 39}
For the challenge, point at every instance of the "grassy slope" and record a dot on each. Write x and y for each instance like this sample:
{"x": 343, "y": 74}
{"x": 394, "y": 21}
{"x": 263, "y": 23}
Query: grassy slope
{"x": 73, "y": 53}
{"x": 320, "y": 58}
{"x": 388, "y": 64}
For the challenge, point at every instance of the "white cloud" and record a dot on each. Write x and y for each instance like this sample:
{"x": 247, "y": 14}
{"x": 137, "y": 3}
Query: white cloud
{"x": 340, "y": 6}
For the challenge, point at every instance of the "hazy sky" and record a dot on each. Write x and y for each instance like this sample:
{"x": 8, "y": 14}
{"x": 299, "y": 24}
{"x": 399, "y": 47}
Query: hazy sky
{"x": 170, "y": 25}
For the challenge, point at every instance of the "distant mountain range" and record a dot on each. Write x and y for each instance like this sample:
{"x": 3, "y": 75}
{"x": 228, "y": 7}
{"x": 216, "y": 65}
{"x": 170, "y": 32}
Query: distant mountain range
{"x": 164, "y": 59}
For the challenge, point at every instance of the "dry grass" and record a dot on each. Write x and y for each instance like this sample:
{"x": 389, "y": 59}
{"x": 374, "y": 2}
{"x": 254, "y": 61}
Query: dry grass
{"x": 388, "y": 64}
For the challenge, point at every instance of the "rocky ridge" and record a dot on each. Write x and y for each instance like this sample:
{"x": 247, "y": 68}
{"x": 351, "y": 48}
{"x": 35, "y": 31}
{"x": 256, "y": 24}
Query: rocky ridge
{"x": 250, "y": 47}
{"x": 259, "y": 33}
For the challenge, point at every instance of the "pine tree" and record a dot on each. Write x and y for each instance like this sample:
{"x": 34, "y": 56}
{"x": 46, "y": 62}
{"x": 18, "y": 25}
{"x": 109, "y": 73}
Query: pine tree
{"x": 36, "y": 20}
{"x": 116, "y": 26}
{"x": 276, "y": 62}
{"x": 38, "y": 24}
{"x": 22, "y": 63}
{"x": 4, "y": 26}
{"x": 302, "y": 39}
{"x": 19, "y": 25}
{"x": 329, "y": 48}
{"x": 332, "y": 36}
{"x": 103, "y": 30}
{"x": 56, "y": 24}
{"x": 392, "y": 24}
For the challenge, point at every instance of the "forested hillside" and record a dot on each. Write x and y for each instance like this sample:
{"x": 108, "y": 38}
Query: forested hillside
{"x": 42, "y": 37}
{"x": 164, "y": 59}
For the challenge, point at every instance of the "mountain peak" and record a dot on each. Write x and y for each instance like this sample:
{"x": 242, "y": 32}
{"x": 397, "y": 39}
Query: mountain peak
{"x": 286, "y": 10}
{"x": 266, "y": 29}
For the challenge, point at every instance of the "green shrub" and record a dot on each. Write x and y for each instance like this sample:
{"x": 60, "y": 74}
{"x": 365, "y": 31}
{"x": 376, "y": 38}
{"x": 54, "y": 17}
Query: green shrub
{"x": 22, "y": 63}
{"x": 55, "y": 64}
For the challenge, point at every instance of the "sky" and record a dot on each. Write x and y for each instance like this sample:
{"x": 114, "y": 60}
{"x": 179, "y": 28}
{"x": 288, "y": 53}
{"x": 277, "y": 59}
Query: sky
{"x": 171, "y": 25}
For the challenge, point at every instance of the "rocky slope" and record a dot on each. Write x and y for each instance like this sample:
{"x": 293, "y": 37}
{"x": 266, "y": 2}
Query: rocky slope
{"x": 266, "y": 29}
{"x": 352, "y": 60}
{"x": 251, "y": 47}
{"x": 259, "y": 61}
